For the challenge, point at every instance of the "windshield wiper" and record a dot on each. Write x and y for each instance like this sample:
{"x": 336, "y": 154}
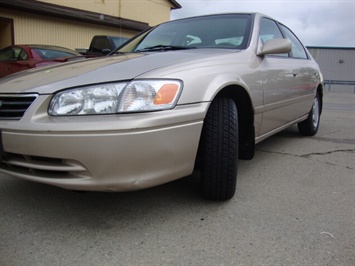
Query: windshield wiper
{"x": 117, "y": 52}
{"x": 161, "y": 47}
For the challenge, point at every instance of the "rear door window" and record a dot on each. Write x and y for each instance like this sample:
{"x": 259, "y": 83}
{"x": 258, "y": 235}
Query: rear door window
{"x": 298, "y": 50}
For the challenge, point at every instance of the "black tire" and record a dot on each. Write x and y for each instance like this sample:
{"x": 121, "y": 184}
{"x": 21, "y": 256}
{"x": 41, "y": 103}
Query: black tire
{"x": 219, "y": 150}
{"x": 309, "y": 127}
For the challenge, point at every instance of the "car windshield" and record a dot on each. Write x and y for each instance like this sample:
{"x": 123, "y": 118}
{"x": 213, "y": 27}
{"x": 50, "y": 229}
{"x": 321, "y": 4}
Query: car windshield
{"x": 226, "y": 31}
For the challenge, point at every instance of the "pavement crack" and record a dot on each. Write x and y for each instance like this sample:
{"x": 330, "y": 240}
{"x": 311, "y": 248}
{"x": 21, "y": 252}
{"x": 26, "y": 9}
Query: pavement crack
{"x": 308, "y": 155}
{"x": 278, "y": 152}
{"x": 326, "y": 153}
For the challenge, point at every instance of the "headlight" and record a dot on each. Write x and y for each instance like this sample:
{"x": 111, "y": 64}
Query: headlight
{"x": 135, "y": 96}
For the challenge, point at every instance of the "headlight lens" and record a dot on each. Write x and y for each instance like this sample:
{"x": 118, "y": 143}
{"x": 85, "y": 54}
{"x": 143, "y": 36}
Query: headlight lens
{"x": 135, "y": 96}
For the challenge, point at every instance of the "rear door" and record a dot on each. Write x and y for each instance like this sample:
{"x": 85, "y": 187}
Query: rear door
{"x": 22, "y": 61}
{"x": 307, "y": 74}
{"x": 12, "y": 60}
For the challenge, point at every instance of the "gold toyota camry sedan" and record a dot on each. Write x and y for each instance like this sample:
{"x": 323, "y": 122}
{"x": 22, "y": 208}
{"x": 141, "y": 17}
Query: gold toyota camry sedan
{"x": 195, "y": 93}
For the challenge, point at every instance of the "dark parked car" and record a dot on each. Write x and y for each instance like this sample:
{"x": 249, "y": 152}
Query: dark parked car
{"x": 102, "y": 44}
{"x": 21, "y": 57}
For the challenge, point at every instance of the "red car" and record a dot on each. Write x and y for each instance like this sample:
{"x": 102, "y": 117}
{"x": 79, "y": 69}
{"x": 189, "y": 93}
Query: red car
{"x": 21, "y": 57}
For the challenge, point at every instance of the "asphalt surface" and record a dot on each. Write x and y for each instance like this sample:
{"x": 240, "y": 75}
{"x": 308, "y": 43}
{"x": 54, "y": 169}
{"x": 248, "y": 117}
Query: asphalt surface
{"x": 294, "y": 205}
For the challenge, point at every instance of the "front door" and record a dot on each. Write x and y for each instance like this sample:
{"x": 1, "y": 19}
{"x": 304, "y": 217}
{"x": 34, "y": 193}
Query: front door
{"x": 280, "y": 82}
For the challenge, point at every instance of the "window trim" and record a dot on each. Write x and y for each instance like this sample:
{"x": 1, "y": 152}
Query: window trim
{"x": 282, "y": 34}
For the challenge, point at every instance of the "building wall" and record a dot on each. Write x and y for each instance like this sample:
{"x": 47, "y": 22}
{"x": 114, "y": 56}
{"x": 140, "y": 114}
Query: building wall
{"x": 108, "y": 7}
{"x": 31, "y": 28}
{"x": 336, "y": 64}
{"x": 150, "y": 11}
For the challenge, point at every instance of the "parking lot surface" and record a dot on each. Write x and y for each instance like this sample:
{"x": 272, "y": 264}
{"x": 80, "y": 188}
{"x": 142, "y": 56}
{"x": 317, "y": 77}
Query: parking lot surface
{"x": 294, "y": 205}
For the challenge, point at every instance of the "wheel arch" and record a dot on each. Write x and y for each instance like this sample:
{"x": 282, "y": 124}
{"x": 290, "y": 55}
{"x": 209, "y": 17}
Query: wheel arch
{"x": 245, "y": 118}
{"x": 320, "y": 93}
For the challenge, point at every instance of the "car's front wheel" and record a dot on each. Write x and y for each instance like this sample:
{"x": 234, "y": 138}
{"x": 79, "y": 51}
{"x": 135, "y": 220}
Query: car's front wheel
{"x": 309, "y": 127}
{"x": 219, "y": 150}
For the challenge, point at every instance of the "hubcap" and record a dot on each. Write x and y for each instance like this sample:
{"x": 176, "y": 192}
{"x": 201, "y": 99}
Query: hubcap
{"x": 315, "y": 112}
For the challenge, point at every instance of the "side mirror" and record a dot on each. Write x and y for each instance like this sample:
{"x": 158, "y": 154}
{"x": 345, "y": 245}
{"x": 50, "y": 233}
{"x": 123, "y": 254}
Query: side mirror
{"x": 275, "y": 46}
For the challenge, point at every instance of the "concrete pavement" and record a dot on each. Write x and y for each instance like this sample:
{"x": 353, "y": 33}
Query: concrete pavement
{"x": 294, "y": 205}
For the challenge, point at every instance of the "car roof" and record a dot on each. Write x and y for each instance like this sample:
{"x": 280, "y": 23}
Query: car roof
{"x": 255, "y": 14}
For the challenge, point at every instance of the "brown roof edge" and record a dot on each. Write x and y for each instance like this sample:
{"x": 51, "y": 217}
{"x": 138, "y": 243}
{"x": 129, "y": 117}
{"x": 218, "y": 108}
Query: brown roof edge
{"x": 42, "y": 8}
{"x": 175, "y": 4}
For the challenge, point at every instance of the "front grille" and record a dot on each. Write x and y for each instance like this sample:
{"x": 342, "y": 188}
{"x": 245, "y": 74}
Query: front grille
{"x": 13, "y": 107}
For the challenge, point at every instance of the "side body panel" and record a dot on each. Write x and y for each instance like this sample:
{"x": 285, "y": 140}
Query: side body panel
{"x": 280, "y": 88}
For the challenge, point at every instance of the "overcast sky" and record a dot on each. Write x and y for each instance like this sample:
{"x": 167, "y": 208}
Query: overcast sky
{"x": 315, "y": 22}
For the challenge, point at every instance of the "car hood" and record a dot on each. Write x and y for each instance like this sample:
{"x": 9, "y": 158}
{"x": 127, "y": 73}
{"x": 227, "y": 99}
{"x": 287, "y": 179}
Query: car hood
{"x": 104, "y": 69}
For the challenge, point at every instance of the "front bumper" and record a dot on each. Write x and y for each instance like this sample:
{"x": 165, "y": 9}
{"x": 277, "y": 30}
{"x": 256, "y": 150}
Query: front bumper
{"x": 103, "y": 153}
